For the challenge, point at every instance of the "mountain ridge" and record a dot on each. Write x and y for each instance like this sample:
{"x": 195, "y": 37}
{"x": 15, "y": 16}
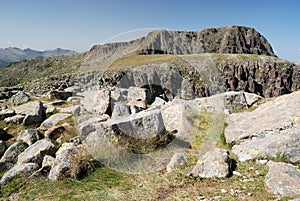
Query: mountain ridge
{"x": 14, "y": 54}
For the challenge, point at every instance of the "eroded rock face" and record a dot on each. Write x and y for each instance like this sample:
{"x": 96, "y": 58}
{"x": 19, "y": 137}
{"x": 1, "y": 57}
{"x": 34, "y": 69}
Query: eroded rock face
{"x": 214, "y": 163}
{"x": 17, "y": 171}
{"x": 269, "y": 131}
{"x": 283, "y": 179}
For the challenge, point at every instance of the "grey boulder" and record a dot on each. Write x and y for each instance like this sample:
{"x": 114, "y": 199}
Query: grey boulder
{"x": 176, "y": 160}
{"x": 11, "y": 154}
{"x": 29, "y": 136}
{"x": 19, "y": 98}
{"x": 54, "y": 120}
{"x": 33, "y": 112}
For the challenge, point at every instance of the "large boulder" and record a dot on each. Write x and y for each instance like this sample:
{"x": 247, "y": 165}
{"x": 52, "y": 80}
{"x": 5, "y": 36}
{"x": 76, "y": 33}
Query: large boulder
{"x": 269, "y": 131}
{"x": 11, "y": 154}
{"x": 96, "y": 102}
{"x": 214, "y": 163}
{"x": 36, "y": 152}
{"x": 66, "y": 158}
{"x": 29, "y": 136}
{"x": 19, "y": 98}
{"x": 6, "y": 113}
{"x": 33, "y": 111}
{"x": 137, "y": 94}
{"x": 283, "y": 179}
{"x": 17, "y": 171}
{"x": 120, "y": 110}
{"x": 54, "y": 120}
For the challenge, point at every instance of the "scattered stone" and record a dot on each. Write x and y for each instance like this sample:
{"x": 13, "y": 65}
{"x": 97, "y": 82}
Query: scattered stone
{"x": 177, "y": 159}
{"x": 17, "y": 171}
{"x": 283, "y": 179}
{"x": 17, "y": 119}
{"x": 2, "y": 147}
{"x": 33, "y": 112}
{"x": 74, "y": 109}
{"x": 19, "y": 98}
{"x": 137, "y": 94}
{"x": 74, "y": 100}
{"x": 36, "y": 152}
{"x": 54, "y": 120}
{"x": 6, "y": 113}
{"x": 262, "y": 162}
{"x": 73, "y": 89}
{"x": 119, "y": 94}
{"x": 214, "y": 163}
{"x": 237, "y": 173}
{"x": 120, "y": 110}
{"x": 29, "y": 136}
{"x": 224, "y": 191}
{"x": 65, "y": 160}
{"x": 60, "y": 133}
{"x": 60, "y": 95}
{"x": 11, "y": 154}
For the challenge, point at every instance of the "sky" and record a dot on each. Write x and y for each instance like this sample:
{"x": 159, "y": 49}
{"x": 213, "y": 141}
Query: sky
{"x": 80, "y": 24}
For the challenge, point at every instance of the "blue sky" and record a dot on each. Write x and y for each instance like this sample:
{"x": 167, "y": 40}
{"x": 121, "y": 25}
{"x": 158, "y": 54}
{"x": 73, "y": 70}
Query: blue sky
{"x": 79, "y": 24}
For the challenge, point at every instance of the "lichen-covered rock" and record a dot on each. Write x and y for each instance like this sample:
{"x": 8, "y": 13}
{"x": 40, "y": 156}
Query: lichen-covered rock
{"x": 36, "y": 152}
{"x": 214, "y": 163}
{"x": 66, "y": 158}
{"x": 96, "y": 102}
{"x": 19, "y": 98}
{"x": 17, "y": 171}
{"x": 270, "y": 130}
{"x": 54, "y": 120}
{"x": 11, "y": 154}
{"x": 177, "y": 159}
{"x": 29, "y": 136}
{"x": 282, "y": 179}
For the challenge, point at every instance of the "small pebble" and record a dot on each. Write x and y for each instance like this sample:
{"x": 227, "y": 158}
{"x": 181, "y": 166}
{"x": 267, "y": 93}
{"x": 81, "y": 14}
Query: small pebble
{"x": 237, "y": 173}
{"x": 223, "y": 191}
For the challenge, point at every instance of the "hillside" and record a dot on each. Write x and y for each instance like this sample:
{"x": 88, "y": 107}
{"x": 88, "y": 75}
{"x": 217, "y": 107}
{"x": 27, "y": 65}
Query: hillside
{"x": 13, "y": 54}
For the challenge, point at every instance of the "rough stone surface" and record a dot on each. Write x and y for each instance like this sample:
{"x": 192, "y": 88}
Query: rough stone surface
{"x": 273, "y": 131}
{"x": 64, "y": 160}
{"x": 120, "y": 110}
{"x": 36, "y": 152}
{"x": 29, "y": 136}
{"x": 74, "y": 109}
{"x": 17, "y": 119}
{"x": 158, "y": 102}
{"x": 11, "y": 154}
{"x": 33, "y": 112}
{"x": 17, "y": 171}
{"x": 6, "y": 113}
{"x": 214, "y": 163}
{"x": 60, "y": 95}
{"x": 50, "y": 109}
{"x": 282, "y": 179}
{"x": 96, "y": 102}
{"x": 54, "y": 120}
{"x": 19, "y": 98}
{"x": 177, "y": 159}
{"x": 119, "y": 94}
{"x": 57, "y": 132}
{"x": 139, "y": 94}
{"x": 2, "y": 147}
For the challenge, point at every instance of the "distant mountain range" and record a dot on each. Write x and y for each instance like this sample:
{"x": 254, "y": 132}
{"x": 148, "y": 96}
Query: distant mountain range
{"x": 14, "y": 54}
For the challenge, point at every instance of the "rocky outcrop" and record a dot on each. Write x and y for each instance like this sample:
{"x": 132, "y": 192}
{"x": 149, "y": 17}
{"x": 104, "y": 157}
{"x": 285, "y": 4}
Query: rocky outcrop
{"x": 273, "y": 131}
{"x": 215, "y": 163}
{"x": 283, "y": 179}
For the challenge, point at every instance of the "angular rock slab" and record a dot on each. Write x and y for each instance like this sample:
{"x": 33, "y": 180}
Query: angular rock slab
{"x": 214, "y": 163}
{"x": 33, "y": 112}
{"x": 96, "y": 102}
{"x": 36, "y": 152}
{"x": 19, "y": 98}
{"x": 6, "y": 113}
{"x": 272, "y": 129}
{"x": 17, "y": 171}
{"x": 11, "y": 154}
{"x": 29, "y": 136}
{"x": 283, "y": 179}
{"x": 64, "y": 160}
{"x": 54, "y": 120}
